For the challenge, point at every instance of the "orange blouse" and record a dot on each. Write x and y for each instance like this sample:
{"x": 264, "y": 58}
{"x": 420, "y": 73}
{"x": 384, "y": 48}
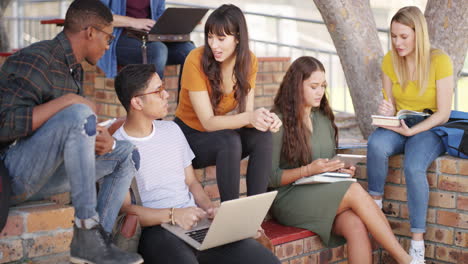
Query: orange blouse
{"x": 194, "y": 79}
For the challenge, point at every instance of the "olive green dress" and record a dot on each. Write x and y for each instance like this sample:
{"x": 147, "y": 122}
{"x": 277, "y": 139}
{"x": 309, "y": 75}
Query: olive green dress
{"x": 313, "y": 206}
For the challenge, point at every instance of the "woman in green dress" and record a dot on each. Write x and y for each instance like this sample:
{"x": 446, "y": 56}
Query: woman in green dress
{"x": 337, "y": 212}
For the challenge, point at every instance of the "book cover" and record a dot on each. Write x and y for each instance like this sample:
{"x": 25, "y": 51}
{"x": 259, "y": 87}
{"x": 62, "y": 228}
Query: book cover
{"x": 379, "y": 120}
{"x": 326, "y": 177}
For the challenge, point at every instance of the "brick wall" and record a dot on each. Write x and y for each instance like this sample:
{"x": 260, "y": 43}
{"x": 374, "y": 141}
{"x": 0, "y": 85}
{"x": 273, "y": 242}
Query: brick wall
{"x": 40, "y": 231}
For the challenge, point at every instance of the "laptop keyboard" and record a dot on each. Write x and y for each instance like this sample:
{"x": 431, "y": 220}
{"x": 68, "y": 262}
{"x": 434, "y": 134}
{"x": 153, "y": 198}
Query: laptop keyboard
{"x": 198, "y": 235}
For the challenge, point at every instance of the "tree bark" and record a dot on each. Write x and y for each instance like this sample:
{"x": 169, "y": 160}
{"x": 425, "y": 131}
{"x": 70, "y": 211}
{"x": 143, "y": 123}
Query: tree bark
{"x": 448, "y": 29}
{"x": 354, "y": 33}
{"x": 4, "y": 42}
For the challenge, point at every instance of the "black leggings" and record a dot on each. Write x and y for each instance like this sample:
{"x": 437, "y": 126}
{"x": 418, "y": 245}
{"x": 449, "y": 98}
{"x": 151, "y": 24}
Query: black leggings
{"x": 159, "y": 246}
{"x": 225, "y": 149}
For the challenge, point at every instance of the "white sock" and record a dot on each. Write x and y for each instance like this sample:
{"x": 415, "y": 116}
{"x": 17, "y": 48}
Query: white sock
{"x": 378, "y": 202}
{"x": 417, "y": 243}
{"x": 87, "y": 223}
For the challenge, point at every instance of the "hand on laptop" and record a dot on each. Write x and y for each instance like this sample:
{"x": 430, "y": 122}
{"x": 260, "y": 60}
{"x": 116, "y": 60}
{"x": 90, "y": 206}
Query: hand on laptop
{"x": 351, "y": 170}
{"x": 142, "y": 23}
{"x": 211, "y": 212}
{"x": 187, "y": 218}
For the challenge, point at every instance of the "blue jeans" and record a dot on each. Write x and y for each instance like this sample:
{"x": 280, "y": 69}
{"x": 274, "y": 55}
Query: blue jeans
{"x": 158, "y": 53}
{"x": 420, "y": 151}
{"x": 59, "y": 157}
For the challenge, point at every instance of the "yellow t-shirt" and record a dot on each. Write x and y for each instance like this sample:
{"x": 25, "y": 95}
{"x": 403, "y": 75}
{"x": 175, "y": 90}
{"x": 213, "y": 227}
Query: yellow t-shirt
{"x": 441, "y": 67}
{"x": 194, "y": 79}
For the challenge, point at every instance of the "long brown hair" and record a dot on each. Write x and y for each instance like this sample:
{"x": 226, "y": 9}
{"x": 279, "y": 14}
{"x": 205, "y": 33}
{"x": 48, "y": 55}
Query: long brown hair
{"x": 290, "y": 103}
{"x": 228, "y": 20}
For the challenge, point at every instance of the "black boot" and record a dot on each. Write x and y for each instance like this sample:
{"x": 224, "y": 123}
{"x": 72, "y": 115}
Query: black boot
{"x": 93, "y": 246}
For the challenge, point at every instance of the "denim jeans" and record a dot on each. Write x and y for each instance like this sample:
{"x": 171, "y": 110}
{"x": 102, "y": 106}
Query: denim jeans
{"x": 59, "y": 157}
{"x": 158, "y": 53}
{"x": 420, "y": 151}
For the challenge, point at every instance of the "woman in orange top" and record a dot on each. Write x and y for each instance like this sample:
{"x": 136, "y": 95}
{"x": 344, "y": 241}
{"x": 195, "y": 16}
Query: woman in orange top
{"x": 218, "y": 79}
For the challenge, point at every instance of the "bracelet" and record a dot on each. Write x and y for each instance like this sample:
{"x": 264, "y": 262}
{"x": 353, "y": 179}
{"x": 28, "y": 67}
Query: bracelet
{"x": 171, "y": 215}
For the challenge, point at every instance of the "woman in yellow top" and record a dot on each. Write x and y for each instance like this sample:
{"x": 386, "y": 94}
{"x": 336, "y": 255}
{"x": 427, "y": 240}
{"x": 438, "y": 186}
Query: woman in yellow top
{"x": 415, "y": 77}
{"x": 218, "y": 79}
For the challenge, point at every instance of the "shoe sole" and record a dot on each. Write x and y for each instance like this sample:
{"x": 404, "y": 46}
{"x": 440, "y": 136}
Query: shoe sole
{"x": 76, "y": 260}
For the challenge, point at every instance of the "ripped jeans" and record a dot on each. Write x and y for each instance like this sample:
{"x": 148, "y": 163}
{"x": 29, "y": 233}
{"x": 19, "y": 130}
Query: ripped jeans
{"x": 60, "y": 157}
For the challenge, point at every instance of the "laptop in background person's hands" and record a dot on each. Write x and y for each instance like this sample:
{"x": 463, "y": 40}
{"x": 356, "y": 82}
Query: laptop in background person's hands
{"x": 174, "y": 25}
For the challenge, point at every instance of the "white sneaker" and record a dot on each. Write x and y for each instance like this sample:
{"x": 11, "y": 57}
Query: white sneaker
{"x": 417, "y": 261}
{"x": 417, "y": 253}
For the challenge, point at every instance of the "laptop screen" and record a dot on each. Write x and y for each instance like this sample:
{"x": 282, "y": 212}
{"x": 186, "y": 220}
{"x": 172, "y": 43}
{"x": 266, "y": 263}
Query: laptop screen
{"x": 177, "y": 21}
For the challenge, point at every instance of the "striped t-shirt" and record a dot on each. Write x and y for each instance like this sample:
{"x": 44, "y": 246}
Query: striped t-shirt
{"x": 163, "y": 157}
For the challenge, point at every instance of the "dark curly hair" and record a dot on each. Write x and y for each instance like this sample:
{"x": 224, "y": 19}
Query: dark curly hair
{"x": 84, "y": 13}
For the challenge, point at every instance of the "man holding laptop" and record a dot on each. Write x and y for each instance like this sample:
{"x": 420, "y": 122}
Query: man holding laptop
{"x": 169, "y": 190}
{"x": 140, "y": 15}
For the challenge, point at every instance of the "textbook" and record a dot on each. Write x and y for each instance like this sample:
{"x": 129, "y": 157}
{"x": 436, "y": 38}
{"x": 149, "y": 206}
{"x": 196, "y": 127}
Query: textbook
{"x": 326, "y": 177}
{"x": 394, "y": 121}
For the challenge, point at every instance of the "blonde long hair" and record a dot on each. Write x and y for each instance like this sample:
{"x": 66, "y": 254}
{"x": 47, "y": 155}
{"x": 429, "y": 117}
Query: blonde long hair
{"x": 412, "y": 17}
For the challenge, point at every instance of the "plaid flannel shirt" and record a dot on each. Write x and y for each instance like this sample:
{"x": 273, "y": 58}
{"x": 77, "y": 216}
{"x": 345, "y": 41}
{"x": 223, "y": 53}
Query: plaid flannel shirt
{"x": 33, "y": 76}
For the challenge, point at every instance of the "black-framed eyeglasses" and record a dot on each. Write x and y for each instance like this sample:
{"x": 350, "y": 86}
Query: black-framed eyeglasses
{"x": 158, "y": 92}
{"x": 111, "y": 37}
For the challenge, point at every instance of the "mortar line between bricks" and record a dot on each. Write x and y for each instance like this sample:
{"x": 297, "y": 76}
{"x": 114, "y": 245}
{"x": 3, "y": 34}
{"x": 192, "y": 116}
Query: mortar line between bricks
{"x": 321, "y": 250}
{"x": 445, "y": 245}
{"x": 439, "y": 261}
{"x": 429, "y": 207}
{"x": 45, "y": 233}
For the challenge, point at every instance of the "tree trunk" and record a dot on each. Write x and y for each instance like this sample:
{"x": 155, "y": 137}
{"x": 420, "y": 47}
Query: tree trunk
{"x": 352, "y": 27}
{"x": 4, "y": 42}
{"x": 448, "y": 29}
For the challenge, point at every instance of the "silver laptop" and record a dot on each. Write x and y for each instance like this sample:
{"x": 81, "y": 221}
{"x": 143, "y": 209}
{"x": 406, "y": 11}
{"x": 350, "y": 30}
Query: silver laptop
{"x": 236, "y": 220}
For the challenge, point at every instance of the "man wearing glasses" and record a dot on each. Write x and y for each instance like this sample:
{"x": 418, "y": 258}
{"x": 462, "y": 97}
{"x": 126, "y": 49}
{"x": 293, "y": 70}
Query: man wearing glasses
{"x": 169, "y": 190}
{"x": 49, "y": 139}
